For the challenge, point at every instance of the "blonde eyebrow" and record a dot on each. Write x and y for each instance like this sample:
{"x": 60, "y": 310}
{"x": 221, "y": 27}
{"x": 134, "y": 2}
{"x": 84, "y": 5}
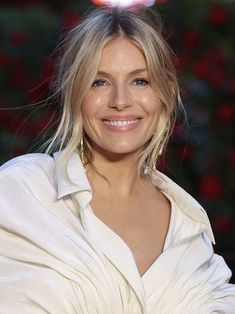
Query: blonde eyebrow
{"x": 137, "y": 71}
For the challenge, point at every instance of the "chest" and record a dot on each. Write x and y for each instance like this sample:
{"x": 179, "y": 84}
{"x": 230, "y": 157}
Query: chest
{"x": 143, "y": 227}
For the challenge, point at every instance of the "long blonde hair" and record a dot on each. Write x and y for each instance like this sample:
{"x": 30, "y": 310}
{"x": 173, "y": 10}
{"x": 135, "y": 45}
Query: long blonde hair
{"x": 79, "y": 63}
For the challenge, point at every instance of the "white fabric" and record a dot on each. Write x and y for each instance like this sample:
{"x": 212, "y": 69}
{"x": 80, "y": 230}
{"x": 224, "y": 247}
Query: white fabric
{"x": 57, "y": 257}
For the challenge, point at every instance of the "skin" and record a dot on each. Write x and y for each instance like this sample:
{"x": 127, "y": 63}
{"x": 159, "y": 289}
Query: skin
{"x": 126, "y": 202}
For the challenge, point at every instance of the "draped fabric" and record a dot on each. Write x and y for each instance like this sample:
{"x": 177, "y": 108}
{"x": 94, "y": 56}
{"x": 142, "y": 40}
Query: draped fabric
{"x": 57, "y": 257}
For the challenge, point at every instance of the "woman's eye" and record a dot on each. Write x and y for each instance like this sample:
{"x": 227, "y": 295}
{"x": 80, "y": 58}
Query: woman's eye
{"x": 98, "y": 83}
{"x": 141, "y": 81}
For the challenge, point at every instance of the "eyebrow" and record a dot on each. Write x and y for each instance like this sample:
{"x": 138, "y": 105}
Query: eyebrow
{"x": 136, "y": 71}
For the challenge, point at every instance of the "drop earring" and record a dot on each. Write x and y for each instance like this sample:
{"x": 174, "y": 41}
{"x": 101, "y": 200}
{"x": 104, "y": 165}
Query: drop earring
{"x": 82, "y": 154}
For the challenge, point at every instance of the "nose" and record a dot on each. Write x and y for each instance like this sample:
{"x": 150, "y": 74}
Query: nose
{"x": 120, "y": 98}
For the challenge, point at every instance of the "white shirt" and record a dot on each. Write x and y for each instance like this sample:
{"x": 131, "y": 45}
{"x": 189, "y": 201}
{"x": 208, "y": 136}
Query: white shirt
{"x": 57, "y": 257}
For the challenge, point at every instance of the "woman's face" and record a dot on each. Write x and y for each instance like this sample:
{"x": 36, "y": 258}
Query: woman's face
{"x": 121, "y": 110}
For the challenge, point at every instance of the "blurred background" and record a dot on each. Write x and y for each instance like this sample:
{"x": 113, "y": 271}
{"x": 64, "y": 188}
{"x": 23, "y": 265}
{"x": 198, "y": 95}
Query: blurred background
{"x": 200, "y": 158}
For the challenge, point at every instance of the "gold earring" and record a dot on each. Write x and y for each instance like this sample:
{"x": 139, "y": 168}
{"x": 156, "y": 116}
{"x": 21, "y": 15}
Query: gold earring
{"x": 82, "y": 153}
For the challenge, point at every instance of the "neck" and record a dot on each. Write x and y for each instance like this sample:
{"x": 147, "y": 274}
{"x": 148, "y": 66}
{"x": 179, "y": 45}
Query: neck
{"x": 120, "y": 171}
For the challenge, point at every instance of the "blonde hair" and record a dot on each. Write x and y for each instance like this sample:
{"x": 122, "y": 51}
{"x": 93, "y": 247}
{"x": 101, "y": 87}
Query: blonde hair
{"x": 79, "y": 63}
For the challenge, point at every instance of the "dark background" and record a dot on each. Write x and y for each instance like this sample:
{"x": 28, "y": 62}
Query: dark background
{"x": 200, "y": 158}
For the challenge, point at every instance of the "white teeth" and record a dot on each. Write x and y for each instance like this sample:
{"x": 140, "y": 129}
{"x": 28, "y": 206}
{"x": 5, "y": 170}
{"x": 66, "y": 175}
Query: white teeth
{"x": 120, "y": 123}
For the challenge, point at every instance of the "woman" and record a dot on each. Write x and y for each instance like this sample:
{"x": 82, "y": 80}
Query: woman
{"x": 95, "y": 227}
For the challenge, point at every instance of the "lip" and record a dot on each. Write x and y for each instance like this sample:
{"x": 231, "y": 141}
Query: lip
{"x": 134, "y": 122}
{"x": 121, "y": 118}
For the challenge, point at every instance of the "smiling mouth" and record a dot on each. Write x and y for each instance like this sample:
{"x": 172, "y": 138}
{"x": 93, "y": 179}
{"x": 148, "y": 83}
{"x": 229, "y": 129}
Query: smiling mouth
{"x": 120, "y": 123}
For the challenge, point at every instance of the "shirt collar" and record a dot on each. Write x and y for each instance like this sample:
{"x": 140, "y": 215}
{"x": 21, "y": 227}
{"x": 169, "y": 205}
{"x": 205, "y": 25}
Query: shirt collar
{"x": 185, "y": 201}
{"x": 73, "y": 180}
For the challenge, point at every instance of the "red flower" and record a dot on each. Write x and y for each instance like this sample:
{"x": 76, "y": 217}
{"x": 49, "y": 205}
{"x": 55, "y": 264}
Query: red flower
{"x": 226, "y": 113}
{"x": 209, "y": 72}
{"x": 216, "y": 78}
{"x": 217, "y": 57}
{"x": 222, "y": 223}
{"x": 218, "y": 15}
{"x": 70, "y": 20}
{"x": 201, "y": 69}
{"x": 212, "y": 67}
{"x": 210, "y": 187}
{"x": 181, "y": 60}
{"x": 191, "y": 39}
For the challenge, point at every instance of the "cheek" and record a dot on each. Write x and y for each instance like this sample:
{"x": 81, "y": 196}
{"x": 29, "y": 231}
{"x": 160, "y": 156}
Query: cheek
{"x": 91, "y": 105}
{"x": 153, "y": 106}
{"x": 90, "y": 109}
{"x": 151, "y": 102}
{"x": 154, "y": 109}
{"x": 87, "y": 108}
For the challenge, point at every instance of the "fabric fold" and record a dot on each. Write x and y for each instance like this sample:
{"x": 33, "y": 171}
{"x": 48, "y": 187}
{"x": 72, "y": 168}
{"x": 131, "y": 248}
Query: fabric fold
{"x": 53, "y": 260}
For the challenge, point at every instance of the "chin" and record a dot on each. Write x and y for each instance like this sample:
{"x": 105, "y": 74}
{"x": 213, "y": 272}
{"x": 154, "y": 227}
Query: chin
{"x": 111, "y": 146}
{"x": 122, "y": 149}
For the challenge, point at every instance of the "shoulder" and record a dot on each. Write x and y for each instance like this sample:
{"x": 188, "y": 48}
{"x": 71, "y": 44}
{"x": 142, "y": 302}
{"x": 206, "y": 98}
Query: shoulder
{"x": 26, "y": 164}
{"x": 25, "y": 168}
{"x": 26, "y": 185}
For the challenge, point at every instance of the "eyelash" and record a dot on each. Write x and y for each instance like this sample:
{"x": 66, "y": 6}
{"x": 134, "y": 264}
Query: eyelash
{"x": 97, "y": 81}
{"x": 137, "y": 79}
{"x": 143, "y": 80}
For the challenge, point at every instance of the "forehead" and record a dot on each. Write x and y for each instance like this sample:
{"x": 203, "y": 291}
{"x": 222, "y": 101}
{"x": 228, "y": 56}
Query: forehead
{"x": 121, "y": 55}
